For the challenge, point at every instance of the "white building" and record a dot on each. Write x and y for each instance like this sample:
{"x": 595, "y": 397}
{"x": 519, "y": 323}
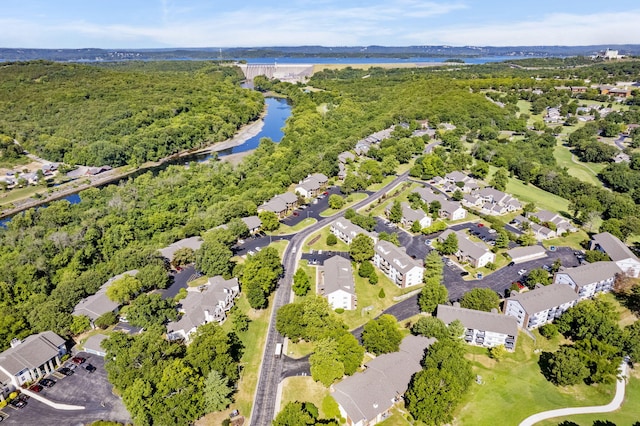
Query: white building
{"x": 618, "y": 252}
{"x": 347, "y": 231}
{"x": 590, "y": 279}
{"x": 337, "y": 284}
{"x": 396, "y": 264}
{"x": 477, "y": 254}
{"x": 541, "y": 305}
{"x": 312, "y": 185}
{"x": 486, "y": 329}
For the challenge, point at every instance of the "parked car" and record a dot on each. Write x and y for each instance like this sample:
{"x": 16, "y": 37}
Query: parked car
{"x": 258, "y": 248}
{"x": 23, "y": 397}
{"x": 251, "y": 252}
{"x": 511, "y": 263}
{"x": 90, "y": 368}
{"x": 17, "y": 403}
{"x": 480, "y": 225}
{"x": 464, "y": 274}
{"x": 234, "y": 413}
{"x": 47, "y": 382}
{"x": 35, "y": 388}
{"x": 295, "y": 214}
{"x": 522, "y": 271}
{"x": 78, "y": 360}
{"x": 66, "y": 371}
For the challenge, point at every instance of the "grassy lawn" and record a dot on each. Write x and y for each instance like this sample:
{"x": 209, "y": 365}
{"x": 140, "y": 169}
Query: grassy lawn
{"x": 378, "y": 186}
{"x": 280, "y": 246}
{"x": 321, "y": 244}
{"x": 395, "y": 194}
{"x": 368, "y": 296}
{"x": 286, "y": 229}
{"x": 358, "y": 196}
{"x": 12, "y": 195}
{"x": 530, "y": 193}
{"x": 303, "y": 389}
{"x": 626, "y": 415}
{"x": 253, "y": 341}
{"x": 199, "y": 281}
{"x": 397, "y": 417}
{"x": 299, "y": 349}
{"x": 586, "y": 172}
{"x": 311, "y": 272}
{"x": 572, "y": 240}
{"x": 514, "y": 388}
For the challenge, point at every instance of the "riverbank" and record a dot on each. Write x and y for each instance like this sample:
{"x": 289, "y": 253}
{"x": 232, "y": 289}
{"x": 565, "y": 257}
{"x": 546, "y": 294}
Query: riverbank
{"x": 245, "y": 133}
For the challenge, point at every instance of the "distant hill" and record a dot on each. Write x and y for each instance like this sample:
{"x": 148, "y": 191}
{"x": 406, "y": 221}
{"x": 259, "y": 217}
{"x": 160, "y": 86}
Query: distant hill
{"x": 94, "y": 55}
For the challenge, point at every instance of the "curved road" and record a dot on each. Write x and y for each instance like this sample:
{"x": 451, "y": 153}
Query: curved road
{"x": 271, "y": 369}
{"x": 612, "y": 406}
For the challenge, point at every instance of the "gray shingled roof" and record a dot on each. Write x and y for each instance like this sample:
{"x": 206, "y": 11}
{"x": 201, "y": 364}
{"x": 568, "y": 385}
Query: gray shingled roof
{"x": 411, "y": 215}
{"x": 350, "y": 229}
{"x": 429, "y": 196}
{"x": 252, "y": 222}
{"x": 97, "y": 304}
{"x": 275, "y": 205}
{"x": 338, "y": 275}
{"x": 465, "y": 245}
{"x": 395, "y": 256}
{"x": 34, "y": 351}
{"x": 449, "y": 206}
{"x": 93, "y": 343}
{"x": 546, "y": 297}
{"x": 616, "y": 249}
{"x": 591, "y": 272}
{"x": 369, "y": 393}
{"x": 479, "y": 320}
{"x": 288, "y": 197}
{"x": 193, "y": 243}
{"x": 526, "y": 251}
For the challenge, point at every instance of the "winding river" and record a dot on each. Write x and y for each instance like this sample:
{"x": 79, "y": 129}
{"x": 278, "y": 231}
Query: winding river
{"x": 277, "y": 112}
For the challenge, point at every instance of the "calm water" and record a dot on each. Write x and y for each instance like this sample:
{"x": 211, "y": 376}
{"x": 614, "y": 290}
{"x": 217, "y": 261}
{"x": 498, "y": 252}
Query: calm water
{"x": 278, "y": 110}
{"x": 482, "y": 60}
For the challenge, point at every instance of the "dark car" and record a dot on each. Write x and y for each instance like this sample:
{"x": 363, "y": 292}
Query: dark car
{"x": 78, "y": 360}
{"x": 35, "y": 388}
{"x": 47, "y": 382}
{"x": 66, "y": 371}
{"x": 23, "y": 397}
{"x": 90, "y": 368}
{"x": 511, "y": 263}
{"x": 464, "y": 274}
{"x": 18, "y": 403}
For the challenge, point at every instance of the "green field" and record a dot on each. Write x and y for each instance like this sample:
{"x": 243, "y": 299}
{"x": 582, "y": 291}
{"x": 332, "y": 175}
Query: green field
{"x": 514, "y": 388}
{"x": 321, "y": 243}
{"x": 358, "y": 196}
{"x": 586, "y": 172}
{"x": 542, "y": 199}
{"x": 286, "y": 230}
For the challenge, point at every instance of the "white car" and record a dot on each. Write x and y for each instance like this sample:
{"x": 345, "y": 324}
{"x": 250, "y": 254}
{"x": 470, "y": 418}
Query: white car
{"x": 522, "y": 271}
{"x": 258, "y": 248}
{"x": 251, "y": 252}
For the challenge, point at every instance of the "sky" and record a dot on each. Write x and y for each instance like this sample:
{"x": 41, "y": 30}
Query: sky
{"x": 134, "y": 24}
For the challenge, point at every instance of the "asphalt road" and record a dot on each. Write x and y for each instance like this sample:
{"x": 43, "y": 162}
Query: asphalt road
{"x": 271, "y": 369}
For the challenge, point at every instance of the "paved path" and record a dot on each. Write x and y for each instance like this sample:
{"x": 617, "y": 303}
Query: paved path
{"x": 272, "y": 368}
{"x": 612, "y": 406}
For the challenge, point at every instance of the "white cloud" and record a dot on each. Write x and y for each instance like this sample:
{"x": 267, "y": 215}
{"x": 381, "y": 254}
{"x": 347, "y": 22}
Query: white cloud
{"x": 552, "y": 29}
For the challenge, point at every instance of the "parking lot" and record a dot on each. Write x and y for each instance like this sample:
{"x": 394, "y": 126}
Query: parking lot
{"x": 91, "y": 390}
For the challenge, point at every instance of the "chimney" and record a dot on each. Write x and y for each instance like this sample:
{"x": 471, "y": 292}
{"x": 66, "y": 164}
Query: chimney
{"x": 15, "y": 342}
{"x": 494, "y": 311}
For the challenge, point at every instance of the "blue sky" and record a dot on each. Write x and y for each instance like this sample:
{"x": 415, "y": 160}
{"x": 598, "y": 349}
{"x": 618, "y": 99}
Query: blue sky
{"x": 224, "y": 23}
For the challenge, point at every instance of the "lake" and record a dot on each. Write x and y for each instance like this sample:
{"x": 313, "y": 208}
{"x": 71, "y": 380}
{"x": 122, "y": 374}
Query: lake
{"x": 385, "y": 60}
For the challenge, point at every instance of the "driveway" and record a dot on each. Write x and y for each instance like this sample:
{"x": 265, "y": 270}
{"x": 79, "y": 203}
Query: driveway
{"x": 91, "y": 390}
{"x": 318, "y": 259}
{"x": 180, "y": 280}
{"x": 615, "y": 403}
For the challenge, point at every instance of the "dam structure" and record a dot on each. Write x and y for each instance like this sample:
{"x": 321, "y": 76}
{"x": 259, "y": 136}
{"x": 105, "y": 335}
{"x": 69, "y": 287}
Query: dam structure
{"x": 284, "y": 72}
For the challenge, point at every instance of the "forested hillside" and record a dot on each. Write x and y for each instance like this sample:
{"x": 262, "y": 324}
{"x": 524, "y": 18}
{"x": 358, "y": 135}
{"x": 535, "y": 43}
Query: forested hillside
{"x": 121, "y": 114}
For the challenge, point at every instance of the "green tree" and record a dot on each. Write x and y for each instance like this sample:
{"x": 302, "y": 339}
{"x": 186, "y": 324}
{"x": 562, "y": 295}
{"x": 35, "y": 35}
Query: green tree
{"x": 431, "y": 327}
{"x": 395, "y": 212}
{"x": 336, "y": 202}
{"x": 361, "y": 248}
{"x": 217, "y": 393}
{"x": 148, "y": 309}
{"x": 325, "y": 364}
{"x": 270, "y": 221}
{"x": 301, "y": 282}
{"x": 536, "y": 276}
{"x": 366, "y": 269}
{"x": 502, "y": 239}
{"x": 382, "y": 335}
{"x": 566, "y": 367}
{"x": 480, "y": 299}
{"x": 498, "y": 352}
{"x": 79, "y": 324}
{"x": 332, "y": 240}
{"x": 415, "y": 227}
{"x": 457, "y": 195}
{"x": 260, "y": 275}
{"x": 350, "y": 353}
{"x": 373, "y": 278}
{"x": 294, "y": 414}
{"x": 449, "y": 245}
{"x": 214, "y": 258}
{"x": 500, "y": 179}
{"x": 432, "y": 294}
{"x": 241, "y": 321}
{"x": 548, "y": 331}
{"x": 124, "y": 289}
{"x": 480, "y": 169}
{"x": 183, "y": 256}
{"x": 153, "y": 276}
{"x": 105, "y": 320}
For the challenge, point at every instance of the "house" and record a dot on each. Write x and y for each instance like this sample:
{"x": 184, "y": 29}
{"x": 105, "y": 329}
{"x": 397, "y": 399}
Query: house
{"x": 253, "y": 224}
{"x": 477, "y": 254}
{"x": 347, "y": 231}
{"x": 486, "y": 329}
{"x": 539, "y": 232}
{"x": 562, "y": 225}
{"x": 93, "y": 345}
{"x": 367, "y": 397}
{"x": 409, "y": 216}
{"x": 30, "y": 359}
{"x": 493, "y": 209}
{"x": 92, "y": 171}
{"x": 346, "y": 157}
{"x": 363, "y": 145}
{"x": 526, "y": 253}
{"x": 395, "y": 263}
{"x": 471, "y": 201}
{"x": 452, "y": 210}
{"x": 458, "y": 180}
{"x": 505, "y": 202}
{"x": 99, "y": 304}
{"x": 342, "y": 171}
{"x": 590, "y": 279}
{"x": 281, "y": 204}
{"x": 204, "y": 304}
{"x": 553, "y": 116}
{"x": 541, "y": 305}
{"x": 617, "y": 252}
{"x": 337, "y": 283}
{"x": 193, "y": 243}
{"x": 312, "y": 185}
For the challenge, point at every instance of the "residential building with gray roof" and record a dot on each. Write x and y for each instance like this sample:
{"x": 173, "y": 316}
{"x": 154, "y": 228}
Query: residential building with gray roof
{"x": 617, "y": 252}
{"x": 347, "y": 231}
{"x": 541, "y": 305}
{"x": 337, "y": 284}
{"x": 590, "y": 279}
{"x": 99, "y": 304}
{"x": 396, "y": 264}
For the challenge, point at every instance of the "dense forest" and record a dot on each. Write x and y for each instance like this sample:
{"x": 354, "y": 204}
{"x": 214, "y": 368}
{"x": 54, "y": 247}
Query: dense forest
{"x": 116, "y": 115}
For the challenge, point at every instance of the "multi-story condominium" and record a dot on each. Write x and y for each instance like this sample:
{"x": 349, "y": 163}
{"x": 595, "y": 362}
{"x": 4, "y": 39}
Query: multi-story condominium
{"x": 281, "y": 204}
{"x": 395, "y": 263}
{"x": 336, "y": 283}
{"x": 541, "y": 305}
{"x": 487, "y": 329}
{"x": 590, "y": 279}
{"x": 312, "y": 185}
{"x": 347, "y": 231}
{"x": 477, "y": 254}
{"x": 618, "y": 252}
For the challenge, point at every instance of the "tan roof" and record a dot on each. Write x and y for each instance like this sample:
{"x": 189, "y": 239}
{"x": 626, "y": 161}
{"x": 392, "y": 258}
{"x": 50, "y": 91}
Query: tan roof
{"x": 546, "y": 297}
{"x": 479, "y": 320}
{"x": 193, "y": 243}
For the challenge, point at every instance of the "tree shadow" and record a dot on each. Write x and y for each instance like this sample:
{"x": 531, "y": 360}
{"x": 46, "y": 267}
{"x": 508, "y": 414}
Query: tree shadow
{"x": 545, "y": 365}
{"x": 603, "y": 423}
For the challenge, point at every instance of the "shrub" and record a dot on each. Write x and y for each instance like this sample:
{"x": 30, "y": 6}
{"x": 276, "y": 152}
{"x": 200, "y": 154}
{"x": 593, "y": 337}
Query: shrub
{"x": 332, "y": 240}
{"x": 105, "y": 320}
{"x": 373, "y": 278}
{"x": 548, "y": 331}
{"x": 366, "y": 269}
{"x": 339, "y": 310}
{"x": 381, "y": 294}
{"x": 491, "y": 266}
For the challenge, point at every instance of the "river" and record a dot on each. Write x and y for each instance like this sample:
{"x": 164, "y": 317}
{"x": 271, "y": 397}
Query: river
{"x": 277, "y": 112}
